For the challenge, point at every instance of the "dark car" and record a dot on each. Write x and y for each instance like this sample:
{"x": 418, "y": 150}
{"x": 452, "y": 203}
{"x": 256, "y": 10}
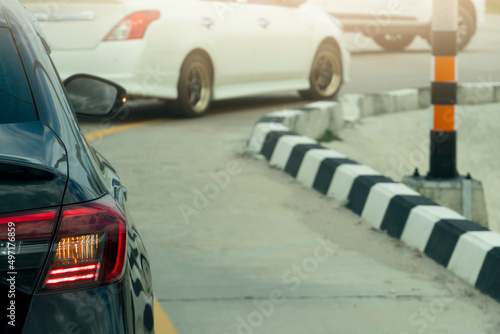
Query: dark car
{"x": 71, "y": 259}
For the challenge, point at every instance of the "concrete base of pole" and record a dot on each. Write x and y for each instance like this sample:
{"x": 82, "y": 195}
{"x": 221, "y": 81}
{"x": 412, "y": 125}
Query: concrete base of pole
{"x": 463, "y": 195}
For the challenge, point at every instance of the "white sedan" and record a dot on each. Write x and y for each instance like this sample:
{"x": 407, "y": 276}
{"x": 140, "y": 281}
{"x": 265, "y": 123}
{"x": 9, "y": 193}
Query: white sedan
{"x": 197, "y": 51}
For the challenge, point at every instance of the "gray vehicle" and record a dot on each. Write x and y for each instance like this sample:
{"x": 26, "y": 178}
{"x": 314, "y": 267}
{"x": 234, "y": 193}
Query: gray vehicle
{"x": 393, "y": 25}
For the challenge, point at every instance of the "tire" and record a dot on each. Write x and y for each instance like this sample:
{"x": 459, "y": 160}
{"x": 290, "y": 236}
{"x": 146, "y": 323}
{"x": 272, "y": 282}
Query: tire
{"x": 394, "y": 42}
{"x": 195, "y": 87}
{"x": 466, "y": 28}
{"x": 326, "y": 76}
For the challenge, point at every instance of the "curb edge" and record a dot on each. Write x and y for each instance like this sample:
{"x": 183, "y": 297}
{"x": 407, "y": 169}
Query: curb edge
{"x": 470, "y": 251}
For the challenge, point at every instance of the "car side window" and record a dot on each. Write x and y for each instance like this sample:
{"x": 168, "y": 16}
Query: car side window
{"x": 48, "y": 97}
{"x": 52, "y": 99}
{"x": 16, "y": 101}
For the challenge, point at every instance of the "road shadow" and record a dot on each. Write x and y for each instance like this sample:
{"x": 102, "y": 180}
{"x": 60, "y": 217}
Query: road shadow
{"x": 141, "y": 110}
{"x": 385, "y": 52}
{"x": 413, "y": 52}
{"x": 278, "y": 101}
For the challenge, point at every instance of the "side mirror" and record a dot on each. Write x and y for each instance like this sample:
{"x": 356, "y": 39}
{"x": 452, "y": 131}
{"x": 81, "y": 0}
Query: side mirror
{"x": 93, "y": 96}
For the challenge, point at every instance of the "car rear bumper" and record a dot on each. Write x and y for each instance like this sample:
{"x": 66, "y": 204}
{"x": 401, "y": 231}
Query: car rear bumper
{"x": 128, "y": 63}
{"x": 104, "y": 310}
{"x": 100, "y": 310}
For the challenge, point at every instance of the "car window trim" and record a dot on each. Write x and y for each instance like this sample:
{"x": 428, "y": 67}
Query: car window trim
{"x": 21, "y": 60}
{"x": 25, "y": 71}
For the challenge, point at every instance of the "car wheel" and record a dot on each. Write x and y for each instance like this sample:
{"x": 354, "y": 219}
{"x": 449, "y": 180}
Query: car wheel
{"x": 394, "y": 42}
{"x": 326, "y": 76}
{"x": 466, "y": 28}
{"x": 195, "y": 87}
{"x": 466, "y": 25}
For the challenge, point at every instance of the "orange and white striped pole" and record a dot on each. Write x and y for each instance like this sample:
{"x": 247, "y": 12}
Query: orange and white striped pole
{"x": 443, "y": 158}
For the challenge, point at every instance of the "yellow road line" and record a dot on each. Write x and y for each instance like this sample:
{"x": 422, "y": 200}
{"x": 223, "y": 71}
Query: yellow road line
{"x": 163, "y": 325}
{"x": 104, "y": 132}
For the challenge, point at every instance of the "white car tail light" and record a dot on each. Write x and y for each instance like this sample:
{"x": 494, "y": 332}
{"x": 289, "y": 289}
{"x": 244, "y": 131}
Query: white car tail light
{"x": 133, "y": 26}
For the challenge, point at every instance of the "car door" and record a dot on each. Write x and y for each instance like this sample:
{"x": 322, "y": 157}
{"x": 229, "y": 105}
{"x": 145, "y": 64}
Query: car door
{"x": 339, "y": 7}
{"x": 355, "y": 9}
{"x": 229, "y": 31}
{"x": 386, "y": 10}
{"x": 283, "y": 42}
{"x": 373, "y": 7}
{"x": 420, "y": 10}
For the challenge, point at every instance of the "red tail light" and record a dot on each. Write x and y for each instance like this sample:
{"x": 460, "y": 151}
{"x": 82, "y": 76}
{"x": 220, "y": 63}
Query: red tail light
{"x": 24, "y": 243}
{"x": 38, "y": 224}
{"x": 89, "y": 248}
{"x": 133, "y": 26}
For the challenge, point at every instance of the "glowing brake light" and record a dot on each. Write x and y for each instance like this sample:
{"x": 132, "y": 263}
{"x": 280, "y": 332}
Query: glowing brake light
{"x": 79, "y": 258}
{"x": 133, "y": 26}
{"x": 71, "y": 279}
{"x": 89, "y": 248}
{"x": 73, "y": 274}
{"x": 75, "y": 269}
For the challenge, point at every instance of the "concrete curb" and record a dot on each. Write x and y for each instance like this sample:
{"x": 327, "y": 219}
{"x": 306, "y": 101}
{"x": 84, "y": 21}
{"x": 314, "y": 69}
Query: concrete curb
{"x": 467, "y": 249}
{"x": 332, "y": 115}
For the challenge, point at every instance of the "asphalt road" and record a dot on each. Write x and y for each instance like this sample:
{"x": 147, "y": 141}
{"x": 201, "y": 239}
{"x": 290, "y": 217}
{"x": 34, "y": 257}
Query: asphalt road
{"x": 237, "y": 247}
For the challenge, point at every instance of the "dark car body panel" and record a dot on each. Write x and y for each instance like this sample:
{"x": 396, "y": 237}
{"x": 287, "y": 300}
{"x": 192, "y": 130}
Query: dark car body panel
{"x": 69, "y": 171}
{"x": 86, "y": 181}
{"x": 3, "y": 20}
{"x": 33, "y": 171}
{"x": 98, "y": 311}
{"x": 122, "y": 307}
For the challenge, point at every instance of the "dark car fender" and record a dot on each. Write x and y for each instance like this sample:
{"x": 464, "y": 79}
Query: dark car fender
{"x": 141, "y": 290}
{"x": 126, "y": 306}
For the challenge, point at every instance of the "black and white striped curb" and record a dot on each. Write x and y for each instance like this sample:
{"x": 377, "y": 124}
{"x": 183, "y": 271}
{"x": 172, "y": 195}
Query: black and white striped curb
{"x": 467, "y": 249}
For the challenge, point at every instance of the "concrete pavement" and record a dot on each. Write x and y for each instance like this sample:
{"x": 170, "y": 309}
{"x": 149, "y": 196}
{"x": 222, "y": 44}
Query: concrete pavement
{"x": 237, "y": 247}
{"x": 396, "y": 144}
